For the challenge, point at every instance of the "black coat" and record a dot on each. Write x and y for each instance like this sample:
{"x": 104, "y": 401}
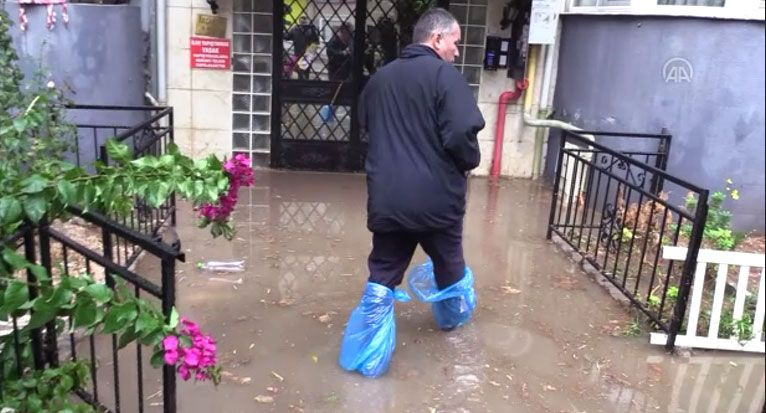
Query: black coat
{"x": 338, "y": 63}
{"x": 422, "y": 121}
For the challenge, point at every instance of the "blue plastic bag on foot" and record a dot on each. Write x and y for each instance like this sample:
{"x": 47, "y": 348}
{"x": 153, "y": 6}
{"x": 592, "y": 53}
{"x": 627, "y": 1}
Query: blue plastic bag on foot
{"x": 370, "y": 336}
{"x": 452, "y": 306}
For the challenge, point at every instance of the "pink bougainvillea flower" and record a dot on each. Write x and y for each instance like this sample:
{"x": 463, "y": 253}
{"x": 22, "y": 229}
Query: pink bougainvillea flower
{"x": 170, "y": 343}
{"x": 184, "y": 372}
{"x": 197, "y": 359}
{"x": 240, "y": 173}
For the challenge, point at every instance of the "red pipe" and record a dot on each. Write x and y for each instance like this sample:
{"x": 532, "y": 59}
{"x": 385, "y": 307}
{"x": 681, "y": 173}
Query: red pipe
{"x": 505, "y": 97}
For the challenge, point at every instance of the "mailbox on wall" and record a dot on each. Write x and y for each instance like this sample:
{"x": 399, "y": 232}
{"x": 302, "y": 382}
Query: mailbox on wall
{"x": 496, "y": 53}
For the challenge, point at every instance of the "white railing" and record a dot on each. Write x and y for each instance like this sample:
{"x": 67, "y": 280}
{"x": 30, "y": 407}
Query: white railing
{"x": 742, "y": 322}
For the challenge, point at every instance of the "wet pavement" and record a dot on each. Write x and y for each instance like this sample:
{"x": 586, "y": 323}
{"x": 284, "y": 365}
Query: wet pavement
{"x": 544, "y": 338}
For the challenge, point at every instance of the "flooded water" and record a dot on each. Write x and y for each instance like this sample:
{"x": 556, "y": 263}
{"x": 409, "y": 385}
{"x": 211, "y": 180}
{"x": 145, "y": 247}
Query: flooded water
{"x": 543, "y": 338}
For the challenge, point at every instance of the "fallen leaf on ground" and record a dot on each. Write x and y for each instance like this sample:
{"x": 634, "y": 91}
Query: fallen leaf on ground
{"x": 272, "y": 390}
{"x": 548, "y": 387}
{"x": 278, "y": 377}
{"x": 252, "y": 345}
{"x": 494, "y": 383}
{"x": 655, "y": 370}
{"x": 315, "y": 358}
{"x": 566, "y": 282}
{"x": 264, "y": 399}
{"x": 507, "y": 289}
{"x": 285, "y": 302}
{"x": 325, "y": 318}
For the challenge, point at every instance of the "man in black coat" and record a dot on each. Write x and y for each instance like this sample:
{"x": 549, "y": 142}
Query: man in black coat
{"x": 422, "y": 121}
{"x": 339, "y": 54}
{"x": 303, "y": 35}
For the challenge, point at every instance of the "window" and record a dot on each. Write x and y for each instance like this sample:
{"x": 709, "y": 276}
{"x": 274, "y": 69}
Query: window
{"x": 472, "y": 16}
{"x": 725, "y": 9}
{"x": 251, "y": 63}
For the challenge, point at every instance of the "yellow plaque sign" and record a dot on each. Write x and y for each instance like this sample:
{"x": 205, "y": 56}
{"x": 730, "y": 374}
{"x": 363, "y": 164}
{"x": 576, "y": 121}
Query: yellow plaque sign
{"x": 211, "y": 26}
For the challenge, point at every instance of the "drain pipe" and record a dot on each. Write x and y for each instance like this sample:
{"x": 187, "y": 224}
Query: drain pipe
{"x": 162, "y": 51}
{"x": 542, "y": 112}
{"x": 505, "y": 97}
{"x": 528, "y": 85}
{"x": 534, "y": 122}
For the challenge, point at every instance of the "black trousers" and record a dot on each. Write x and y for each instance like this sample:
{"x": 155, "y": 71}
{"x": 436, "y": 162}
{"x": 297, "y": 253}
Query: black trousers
{"x": 392, "y": 252}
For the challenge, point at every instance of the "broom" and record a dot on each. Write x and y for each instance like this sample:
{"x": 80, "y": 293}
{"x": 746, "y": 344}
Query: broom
{"x": 327, "y": 112}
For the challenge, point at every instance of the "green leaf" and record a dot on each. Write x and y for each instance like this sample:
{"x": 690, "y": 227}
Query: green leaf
{"x": 166, "y": 160}
{"x": 163, "y": 191}
{"x": 146, "y": 323}
{"x": 85, "y": 313}
{"x": 33, "y": 184}
{"x": 118, "y": 151}
{"x": 212, "y": 192}
{"x": 66, "y": 383}
{"x": 100, "y": 292}
{"x": 39, "y": 272}
{"x": 35, "y": 207}
{"x": 158, "y": 359}
{"x": 186, "y": 189}
{"x": 68, "y": 192}
{"x": 153, "y": 337}
{"x": 130, "y": 335}
{"x": 15, "y": 295}
{"x": 88, "y": 196}
{"x": 61, "y": 297}
{"x": 173, "y": 323}
{"x": 214, "y": 164}
{"x": 16, "y": 260}
{"x": 43, "y": 313}
{"x": 223, "y": 183}
{"x": 199, "y": 189}
{"x": 75, "y": 283}
{"x": 153, "y": 194}
{"x": 20, "y": 124}
{"x": 118, "y": 316}
{"x": 185, "y": 341}
{"x": 10, "y": 210}
{"x": 43, "y": 387}
{"x": 34, "y": 403}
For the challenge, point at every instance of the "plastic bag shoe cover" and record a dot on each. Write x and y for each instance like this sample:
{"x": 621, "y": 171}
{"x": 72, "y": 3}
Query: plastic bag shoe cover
{"x": 370, "y": 336}
{"x": 452, "y": 306}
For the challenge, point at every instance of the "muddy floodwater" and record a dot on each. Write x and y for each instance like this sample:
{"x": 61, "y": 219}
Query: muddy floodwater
{"x": 545, "y": 337}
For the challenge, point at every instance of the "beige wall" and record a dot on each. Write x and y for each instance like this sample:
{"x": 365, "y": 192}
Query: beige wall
{"x": 518, "y": 142}
{"x": 201, "y": 99}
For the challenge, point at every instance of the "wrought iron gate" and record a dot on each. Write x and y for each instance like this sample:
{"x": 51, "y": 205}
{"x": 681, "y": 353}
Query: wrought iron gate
{"x": 324, "y": 51}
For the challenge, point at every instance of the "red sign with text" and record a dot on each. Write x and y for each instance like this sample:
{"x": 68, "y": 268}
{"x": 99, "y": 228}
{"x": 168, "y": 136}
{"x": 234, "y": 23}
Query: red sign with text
{"x": 210, "y": 53}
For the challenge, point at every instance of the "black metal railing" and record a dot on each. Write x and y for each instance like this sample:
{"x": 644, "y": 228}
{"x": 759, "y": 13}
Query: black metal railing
{"x": 613, "y": 207}
{"x": 119, "y": 377}
{"x": 148, "y": 130}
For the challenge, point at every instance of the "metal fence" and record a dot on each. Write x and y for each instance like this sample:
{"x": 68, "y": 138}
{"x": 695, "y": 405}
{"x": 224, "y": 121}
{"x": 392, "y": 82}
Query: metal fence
{"x": 613, "y": 207}
{"x": 148, "y": 130}
{"x": 119, "y": 378}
